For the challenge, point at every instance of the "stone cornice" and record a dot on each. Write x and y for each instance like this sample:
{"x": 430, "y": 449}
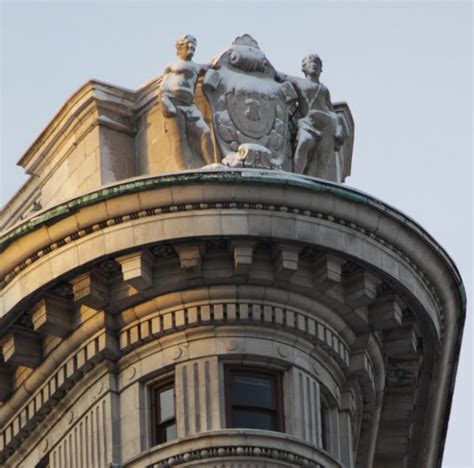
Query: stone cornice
{"x": 62, "y": 124}
{"x": 229, "y": 176}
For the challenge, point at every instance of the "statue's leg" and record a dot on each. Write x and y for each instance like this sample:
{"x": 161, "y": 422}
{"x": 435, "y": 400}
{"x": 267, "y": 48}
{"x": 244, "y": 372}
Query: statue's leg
{"x": 200, "y": 132}
{"x": 325, "y": 153}
{"x": 176, "y": 130}
{"x": 303, "y": 149}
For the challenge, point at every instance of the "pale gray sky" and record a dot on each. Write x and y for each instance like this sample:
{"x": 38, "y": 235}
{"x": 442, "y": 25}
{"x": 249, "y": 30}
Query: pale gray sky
{"x": 405, "y": 68}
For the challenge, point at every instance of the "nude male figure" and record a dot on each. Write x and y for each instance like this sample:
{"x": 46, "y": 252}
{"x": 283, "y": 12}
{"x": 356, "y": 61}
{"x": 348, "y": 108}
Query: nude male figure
{"x": 177, "y": 102}
{"x": 320, "y": 131}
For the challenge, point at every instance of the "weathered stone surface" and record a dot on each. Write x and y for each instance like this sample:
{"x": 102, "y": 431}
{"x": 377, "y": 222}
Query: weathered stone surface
{"x": 52, "y": 316}
{"x": 22, "y": 348}
{"x": 327, "y": 270}
{"x": 91, "y": 289}
{"x": 137, "y": 269}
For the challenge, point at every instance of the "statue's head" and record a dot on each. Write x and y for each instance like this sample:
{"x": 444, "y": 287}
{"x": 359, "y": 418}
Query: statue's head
{"x": 312, "y": 66}
{"x": 186, "y": 46}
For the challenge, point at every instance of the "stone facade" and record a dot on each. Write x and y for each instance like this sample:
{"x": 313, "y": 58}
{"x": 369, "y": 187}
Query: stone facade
{"x": 107, "y": 291}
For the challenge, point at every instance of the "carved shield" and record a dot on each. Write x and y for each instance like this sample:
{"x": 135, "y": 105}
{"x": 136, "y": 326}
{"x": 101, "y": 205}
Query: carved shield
{"x": 248, "y": 104}
{"x": 253, "y": 113}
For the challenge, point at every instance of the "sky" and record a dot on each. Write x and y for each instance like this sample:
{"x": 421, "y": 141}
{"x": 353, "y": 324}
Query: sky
{"x": 404, "y": 67}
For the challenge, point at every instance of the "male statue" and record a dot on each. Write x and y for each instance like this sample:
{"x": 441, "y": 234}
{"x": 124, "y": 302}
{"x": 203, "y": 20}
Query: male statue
{"x": 320, "y": 132}
{"x": 183, "y": 119}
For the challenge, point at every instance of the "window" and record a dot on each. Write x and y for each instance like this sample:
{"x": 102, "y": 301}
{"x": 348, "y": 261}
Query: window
{"x": 325, "y": 425}
{"x": 163, "y": 412}
{"x": 43, "y": 463}
{"x": 253, "y": 399}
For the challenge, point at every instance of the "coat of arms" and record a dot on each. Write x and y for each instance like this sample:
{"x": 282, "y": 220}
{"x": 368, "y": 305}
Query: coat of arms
{"x": 239, "y": 111}
{"x": 250, "y": 108}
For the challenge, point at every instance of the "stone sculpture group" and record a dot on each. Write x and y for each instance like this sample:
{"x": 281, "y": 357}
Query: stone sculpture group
{"x": 257, "y": 116}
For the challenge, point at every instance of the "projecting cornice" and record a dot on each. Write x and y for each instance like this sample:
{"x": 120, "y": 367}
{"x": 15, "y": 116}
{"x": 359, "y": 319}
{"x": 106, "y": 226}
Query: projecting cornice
{"x": 65, "y": 129}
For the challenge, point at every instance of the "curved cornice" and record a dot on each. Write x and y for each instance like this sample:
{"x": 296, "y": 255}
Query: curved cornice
{"x": 228, "y": 176}
{"x": 81, "y": 217}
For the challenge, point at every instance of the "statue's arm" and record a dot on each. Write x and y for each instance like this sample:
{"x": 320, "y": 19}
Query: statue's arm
{"x": 282, "y": 77}
{"x": 167, "y": 107}
{"x": 204, "y": 67}
{"x": 328, "y": 101}
{"x": 340, "y": 132}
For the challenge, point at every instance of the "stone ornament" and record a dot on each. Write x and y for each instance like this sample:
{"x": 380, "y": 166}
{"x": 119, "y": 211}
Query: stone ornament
{"x": 320, "y": 131}
{"x": 255, "y": 116}
{"x": 249, "y": 105}
{"x": 190, "y": 135}
{"x": 250, "y": 155}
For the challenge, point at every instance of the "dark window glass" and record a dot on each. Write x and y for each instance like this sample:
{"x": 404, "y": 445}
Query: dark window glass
{"x": 253, "y": 399}
{"x": 163, "y": 409}
{"x": 43, "y": 463}
{"x": 253, "y": 419}
{"x": 325, "y": 426}
{"x": 253, "y": 390}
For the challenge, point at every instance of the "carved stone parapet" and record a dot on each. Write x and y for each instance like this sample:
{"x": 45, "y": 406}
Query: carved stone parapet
{"x": 52, "y": 316}
{"x": 22, "y": 348}
{"x": 137, "y": 269}
{"x": 91, "y": 289}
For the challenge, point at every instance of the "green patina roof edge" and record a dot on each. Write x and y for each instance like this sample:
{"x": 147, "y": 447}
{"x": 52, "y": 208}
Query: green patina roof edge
{"x": 221, "y": 176}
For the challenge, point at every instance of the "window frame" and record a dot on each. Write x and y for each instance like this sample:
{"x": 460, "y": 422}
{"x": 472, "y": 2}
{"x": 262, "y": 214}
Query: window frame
{"x": 277, "y": 389}
{"x": 325, "y": 418}
{"x": 157, "y": 427}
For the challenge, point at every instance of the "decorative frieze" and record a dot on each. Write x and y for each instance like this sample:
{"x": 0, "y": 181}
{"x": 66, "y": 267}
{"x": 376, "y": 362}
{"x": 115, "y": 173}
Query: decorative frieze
{"x": 327, "y": 267}
{"x": 261, "y": 314}
{"x": 239, "y": 455}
